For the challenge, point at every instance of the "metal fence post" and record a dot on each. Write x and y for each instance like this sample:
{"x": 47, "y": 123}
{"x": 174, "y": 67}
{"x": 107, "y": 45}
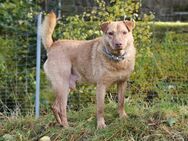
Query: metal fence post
{"x": 59, "y": 9}
{"x": 37, "y": 98}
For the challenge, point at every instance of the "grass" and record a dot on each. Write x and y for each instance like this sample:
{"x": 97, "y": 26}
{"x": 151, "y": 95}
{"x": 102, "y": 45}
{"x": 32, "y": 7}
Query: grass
{"x": 163, "y": 120}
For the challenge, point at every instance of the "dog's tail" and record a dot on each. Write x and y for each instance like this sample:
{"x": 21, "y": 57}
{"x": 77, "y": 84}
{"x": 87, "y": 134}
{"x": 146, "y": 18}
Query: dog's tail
{"x": 47, "y": 29}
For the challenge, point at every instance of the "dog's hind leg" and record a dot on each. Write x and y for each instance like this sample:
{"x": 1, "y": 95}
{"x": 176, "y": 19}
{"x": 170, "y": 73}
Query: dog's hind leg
{"x": 60, "y": 105}
{"x": 61, "y": 86}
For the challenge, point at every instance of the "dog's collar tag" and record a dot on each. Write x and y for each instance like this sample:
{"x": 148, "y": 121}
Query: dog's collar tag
{"x": 114, "y": 57}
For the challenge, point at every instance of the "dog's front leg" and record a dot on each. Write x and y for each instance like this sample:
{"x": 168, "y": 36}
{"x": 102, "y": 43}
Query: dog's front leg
{"x": 121, "y": 91}
{"x": 100, "y": 96}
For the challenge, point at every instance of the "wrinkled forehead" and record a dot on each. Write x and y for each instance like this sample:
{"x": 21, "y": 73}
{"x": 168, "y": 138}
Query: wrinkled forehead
{"x": 117, "y": 27}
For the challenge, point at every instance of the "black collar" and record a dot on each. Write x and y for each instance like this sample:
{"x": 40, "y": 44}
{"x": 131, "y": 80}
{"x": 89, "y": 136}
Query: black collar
{"x": 113, "y": 57}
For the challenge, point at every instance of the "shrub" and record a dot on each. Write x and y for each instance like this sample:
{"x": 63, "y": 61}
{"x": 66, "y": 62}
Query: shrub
{"x": 18, "y": 39}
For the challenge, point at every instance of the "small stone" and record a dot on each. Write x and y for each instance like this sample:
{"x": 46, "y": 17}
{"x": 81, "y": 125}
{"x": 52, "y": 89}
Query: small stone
{"x": 45, "y": 138}
{"x": 171, "y": 87}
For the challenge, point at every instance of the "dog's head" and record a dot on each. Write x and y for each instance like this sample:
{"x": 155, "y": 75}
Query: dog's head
{"x": 118, "y": 35}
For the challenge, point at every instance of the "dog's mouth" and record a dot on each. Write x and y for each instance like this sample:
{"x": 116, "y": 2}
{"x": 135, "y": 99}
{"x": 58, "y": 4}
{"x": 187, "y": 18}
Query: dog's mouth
{"x": 118, "y": 52}
{"x": 118, "y": 49}
{"x": 114, "y": 49}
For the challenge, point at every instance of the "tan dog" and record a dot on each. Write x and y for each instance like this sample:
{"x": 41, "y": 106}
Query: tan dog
{"x": 103, "y": 61}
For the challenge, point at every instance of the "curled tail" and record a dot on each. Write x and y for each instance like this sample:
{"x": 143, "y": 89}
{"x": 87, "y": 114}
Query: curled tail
{"x": 47, "y": 29}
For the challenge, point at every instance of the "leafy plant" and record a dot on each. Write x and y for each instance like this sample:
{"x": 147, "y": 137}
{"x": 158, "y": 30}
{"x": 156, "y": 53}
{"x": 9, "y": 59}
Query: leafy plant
{"x": 17, "y": 59}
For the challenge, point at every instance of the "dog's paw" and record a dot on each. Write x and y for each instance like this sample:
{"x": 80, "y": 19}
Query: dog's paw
{"x": 64, "y": 124}
{"x": 123, "y": 114}
{"x": 101, "y": 124}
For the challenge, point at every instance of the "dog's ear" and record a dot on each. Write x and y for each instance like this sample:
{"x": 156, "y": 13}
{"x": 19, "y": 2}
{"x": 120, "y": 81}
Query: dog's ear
{"x": 129, "y": 24}
{"x": 104, "y": 26}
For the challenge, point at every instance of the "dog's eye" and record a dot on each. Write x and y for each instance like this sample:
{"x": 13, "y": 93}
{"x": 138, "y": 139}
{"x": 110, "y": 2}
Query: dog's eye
{"x": 124, "y": 32}
{"x": 110, "y": 33}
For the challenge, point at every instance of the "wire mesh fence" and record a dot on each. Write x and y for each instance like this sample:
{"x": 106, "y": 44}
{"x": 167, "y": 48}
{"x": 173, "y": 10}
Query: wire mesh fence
{"x": 17, "y": 78}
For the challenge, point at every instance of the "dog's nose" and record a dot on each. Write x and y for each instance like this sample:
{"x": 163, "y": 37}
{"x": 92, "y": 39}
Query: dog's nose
{"x": 118, "y": 45}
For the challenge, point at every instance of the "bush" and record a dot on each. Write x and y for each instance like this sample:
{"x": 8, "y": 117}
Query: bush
{"x": 18, "y": 41}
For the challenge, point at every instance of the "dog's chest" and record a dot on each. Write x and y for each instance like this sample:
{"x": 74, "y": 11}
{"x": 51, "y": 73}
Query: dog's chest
{"x": 117, "y": 72}
{"x": 117, "y": 76}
